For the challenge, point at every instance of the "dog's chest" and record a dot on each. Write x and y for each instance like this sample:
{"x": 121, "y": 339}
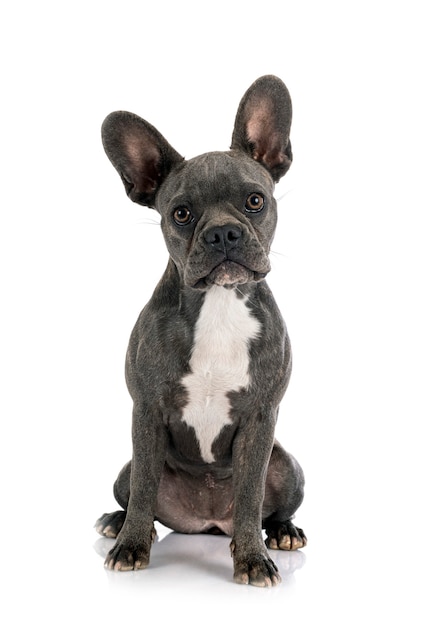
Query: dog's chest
{"x": 219, "y": 364}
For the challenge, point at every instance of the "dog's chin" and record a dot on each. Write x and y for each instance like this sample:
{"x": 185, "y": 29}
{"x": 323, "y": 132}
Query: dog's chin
{"x": 229, "y": 274}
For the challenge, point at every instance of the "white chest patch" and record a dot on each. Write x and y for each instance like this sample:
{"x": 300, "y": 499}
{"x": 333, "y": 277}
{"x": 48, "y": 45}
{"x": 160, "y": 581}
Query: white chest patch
{"x": 219, "y": 364}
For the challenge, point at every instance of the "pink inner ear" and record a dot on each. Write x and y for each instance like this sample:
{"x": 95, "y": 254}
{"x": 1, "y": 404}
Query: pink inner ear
{"x": 143, "y": 157}
{"x": 262, "y": 134}
{"x": 259, "y": 126}
{"x": 141, "y": 153}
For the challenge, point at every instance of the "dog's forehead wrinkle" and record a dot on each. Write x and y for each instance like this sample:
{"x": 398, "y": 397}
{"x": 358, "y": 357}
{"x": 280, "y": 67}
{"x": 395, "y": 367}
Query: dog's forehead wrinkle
{"x": 227, "y": 166}
{"x": 223, "y": 174}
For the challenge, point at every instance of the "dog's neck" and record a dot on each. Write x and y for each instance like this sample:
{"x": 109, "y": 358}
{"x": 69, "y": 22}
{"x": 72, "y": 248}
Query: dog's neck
{"x": 173, "y": 289}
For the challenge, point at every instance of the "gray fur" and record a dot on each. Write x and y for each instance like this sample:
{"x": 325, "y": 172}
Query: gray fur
{"x": 252, "y": 482}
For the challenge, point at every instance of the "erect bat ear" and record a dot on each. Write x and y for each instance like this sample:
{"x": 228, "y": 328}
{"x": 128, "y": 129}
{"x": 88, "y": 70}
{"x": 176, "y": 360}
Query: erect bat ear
{"x": 139, "y": 153}
{"x": 262, "y": 125}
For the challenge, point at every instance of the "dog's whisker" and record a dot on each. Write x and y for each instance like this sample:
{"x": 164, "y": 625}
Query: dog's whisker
{"x": 239, "y": 291}
{"x": 274, "y": 253}
{"x": 283, "y": 196}
{"x": 149, "y": 222}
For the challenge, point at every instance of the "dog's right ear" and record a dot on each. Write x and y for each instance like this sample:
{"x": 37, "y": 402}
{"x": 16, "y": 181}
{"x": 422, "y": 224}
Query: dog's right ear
{"x": 140, "y": 154}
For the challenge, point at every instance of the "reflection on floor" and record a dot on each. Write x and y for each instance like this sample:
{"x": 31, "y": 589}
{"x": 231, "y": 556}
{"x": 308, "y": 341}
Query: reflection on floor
{"x": 193, "y": 557}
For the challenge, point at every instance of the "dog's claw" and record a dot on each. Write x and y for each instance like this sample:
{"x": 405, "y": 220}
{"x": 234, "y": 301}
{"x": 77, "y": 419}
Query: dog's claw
{"x": 257, "y": 578}
{"x": 129, "y": 554}
{"x": 110, "y": 524}
{"x": 285, "y": 536}
{"x": 257, "y": 570}
{"x": 122, "y": 559}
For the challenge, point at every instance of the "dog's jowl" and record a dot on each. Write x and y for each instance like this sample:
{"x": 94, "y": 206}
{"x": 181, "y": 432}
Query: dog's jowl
{"x": 209, "y": 358}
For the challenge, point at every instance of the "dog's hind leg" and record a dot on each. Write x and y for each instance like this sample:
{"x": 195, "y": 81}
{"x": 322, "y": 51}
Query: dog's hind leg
{"x": 283, "y": 495}
{"x": 284, "y": 535}
{"x": 110, "y": 524}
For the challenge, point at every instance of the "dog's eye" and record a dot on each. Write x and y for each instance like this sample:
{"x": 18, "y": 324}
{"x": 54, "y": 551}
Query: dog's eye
{"x": 254, "y": 203}
{"x": 182, "y": 216}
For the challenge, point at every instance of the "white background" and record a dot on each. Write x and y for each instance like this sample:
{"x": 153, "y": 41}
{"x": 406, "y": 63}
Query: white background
{"x": 354, "y": 271}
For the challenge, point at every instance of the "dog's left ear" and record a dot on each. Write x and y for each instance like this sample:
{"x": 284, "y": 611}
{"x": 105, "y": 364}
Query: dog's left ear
{"x": 262, "y": 125}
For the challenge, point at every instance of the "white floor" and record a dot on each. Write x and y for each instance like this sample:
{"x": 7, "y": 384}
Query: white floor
{"x": 58, "y": 577}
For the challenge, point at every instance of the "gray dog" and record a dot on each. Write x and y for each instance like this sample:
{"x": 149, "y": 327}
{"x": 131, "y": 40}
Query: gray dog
{"x": 209, "y": 358}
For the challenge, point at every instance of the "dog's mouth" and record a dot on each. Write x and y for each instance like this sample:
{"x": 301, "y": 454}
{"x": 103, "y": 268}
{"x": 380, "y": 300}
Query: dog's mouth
{"x": 229, "y": 274}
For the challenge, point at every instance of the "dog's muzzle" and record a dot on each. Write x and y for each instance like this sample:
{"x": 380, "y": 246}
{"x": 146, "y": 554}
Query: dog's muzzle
{"x": 228, "y": 274}
{"x": 226, "y": 256}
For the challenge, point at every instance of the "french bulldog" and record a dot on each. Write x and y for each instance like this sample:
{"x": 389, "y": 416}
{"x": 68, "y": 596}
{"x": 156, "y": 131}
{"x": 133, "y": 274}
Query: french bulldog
{"x": 209, "y": 358}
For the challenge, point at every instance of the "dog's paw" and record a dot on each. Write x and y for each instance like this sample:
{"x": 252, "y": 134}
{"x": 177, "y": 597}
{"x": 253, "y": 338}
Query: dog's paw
{"x": 284, "y": 536}
{"x": 256, "y": 569}
{"x": 124, "y": 557}
{"x": 128, "y": 554}
{"x": 110, "y": 524}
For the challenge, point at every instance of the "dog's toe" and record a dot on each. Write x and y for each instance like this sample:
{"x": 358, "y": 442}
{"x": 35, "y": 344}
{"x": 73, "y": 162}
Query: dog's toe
{"x": 284, "y": 536}
{"x": 110, "y": 524}
{"x": 258, "y": 571}
{"x": 123, "y": 558}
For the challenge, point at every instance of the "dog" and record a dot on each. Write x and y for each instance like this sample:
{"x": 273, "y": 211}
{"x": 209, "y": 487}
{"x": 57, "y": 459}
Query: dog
{"x": 209, "y": 358}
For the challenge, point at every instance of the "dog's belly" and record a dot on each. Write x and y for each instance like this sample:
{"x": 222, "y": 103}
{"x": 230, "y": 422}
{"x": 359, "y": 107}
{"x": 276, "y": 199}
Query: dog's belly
{"x": 195, "y": 504}
{"x": 219, "y": 364}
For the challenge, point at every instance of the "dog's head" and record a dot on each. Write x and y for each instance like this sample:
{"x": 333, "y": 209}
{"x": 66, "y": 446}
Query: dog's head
{"x": 218, "y": 212}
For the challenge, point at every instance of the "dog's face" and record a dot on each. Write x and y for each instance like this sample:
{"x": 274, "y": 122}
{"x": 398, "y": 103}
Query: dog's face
{"x": 218, "y": 211}
{"x": 218, "y": 219}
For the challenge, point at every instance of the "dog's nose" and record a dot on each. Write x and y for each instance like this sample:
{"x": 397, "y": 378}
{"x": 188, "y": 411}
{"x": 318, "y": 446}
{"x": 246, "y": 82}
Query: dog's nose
{"x": 223, "y": 238}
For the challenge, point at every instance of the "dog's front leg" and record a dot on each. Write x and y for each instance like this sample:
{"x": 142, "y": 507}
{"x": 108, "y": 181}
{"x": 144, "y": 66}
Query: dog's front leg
{"x": 251, "y": 453}
{"x": 134, "y": 541}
